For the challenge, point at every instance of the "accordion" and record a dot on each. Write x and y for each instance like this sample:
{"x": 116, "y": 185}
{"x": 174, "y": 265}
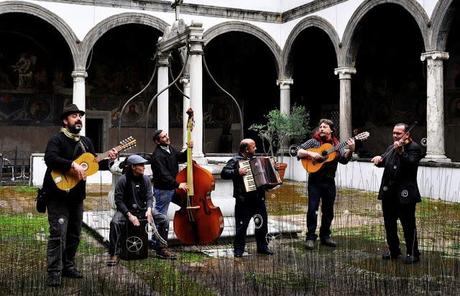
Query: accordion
{"x": 261, "y": 174}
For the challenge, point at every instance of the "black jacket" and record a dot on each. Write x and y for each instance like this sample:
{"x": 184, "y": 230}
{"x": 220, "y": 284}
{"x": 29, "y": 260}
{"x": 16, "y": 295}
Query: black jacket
{"x": 165, "y": 167}
{"x": 230, "y": 171}
{"x": 400, "y": 174}
{"x": 60, "y": 152}
{"x": 133, "y": 194}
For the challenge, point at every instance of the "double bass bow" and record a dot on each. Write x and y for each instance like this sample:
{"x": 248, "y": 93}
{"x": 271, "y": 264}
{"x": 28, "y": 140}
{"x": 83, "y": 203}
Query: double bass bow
{"x": 198, "y": 221}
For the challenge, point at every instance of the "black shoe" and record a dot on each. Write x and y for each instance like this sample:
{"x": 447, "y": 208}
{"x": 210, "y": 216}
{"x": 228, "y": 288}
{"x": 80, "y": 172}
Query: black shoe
{"x": 328, "y": 242}
{"x": 238, "y": 253}
{"x": 165, "y": 253}
{"x": 113, "y": 260}
{"x": 389, "y": 256}
{"x": 53, "y": 279}
{"x": 411, "y": 259}
{"x": 72, "y": 273}
{"x": 310, "y": 244}
{"x": 265, "y": 251}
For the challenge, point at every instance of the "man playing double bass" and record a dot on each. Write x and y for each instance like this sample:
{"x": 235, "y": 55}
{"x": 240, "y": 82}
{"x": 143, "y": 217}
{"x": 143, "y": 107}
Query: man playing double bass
{"x": 247, "y": 204}
{"x": 399, "y": 192}
{"x": 165, "y": 166}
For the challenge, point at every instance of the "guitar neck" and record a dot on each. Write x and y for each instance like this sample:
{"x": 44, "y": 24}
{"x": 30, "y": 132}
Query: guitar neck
{"x": 338, "y": 147}
{"x": 105, "y": 155}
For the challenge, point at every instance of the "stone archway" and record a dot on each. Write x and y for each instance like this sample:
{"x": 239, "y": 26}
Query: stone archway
{"x": 114, "y": 21}
{"x": 349, "y": 42}
{"x": 53, "y": 19}
{"x": 312, "y": 21}
{"x": 225, "y": 27}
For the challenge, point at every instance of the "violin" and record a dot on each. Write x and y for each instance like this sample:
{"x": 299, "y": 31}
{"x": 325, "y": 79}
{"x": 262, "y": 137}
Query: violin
{"x": 398, "y": 145}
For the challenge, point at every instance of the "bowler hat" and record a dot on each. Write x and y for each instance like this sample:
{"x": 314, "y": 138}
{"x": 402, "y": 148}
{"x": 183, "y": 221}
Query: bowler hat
{"x": 70, "y": 109}
{"x": 135, "y": 159}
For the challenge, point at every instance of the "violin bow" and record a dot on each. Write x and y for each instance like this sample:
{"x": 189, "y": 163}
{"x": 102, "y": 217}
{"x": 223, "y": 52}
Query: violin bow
{"x": 403, "y": 136}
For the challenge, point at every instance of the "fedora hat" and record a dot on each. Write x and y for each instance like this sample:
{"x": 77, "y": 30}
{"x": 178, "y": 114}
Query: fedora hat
{"x": 70, "y": 109}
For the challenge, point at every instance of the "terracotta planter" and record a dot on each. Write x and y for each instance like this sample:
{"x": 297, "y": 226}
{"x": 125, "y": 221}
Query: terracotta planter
{"x": 282, "y": 169}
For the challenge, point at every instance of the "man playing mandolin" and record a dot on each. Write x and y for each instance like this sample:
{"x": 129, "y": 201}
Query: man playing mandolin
{"x": 321, "y": 183}
{"x": 65, "y": 208}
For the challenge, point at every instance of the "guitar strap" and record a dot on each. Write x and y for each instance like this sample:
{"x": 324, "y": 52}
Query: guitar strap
{"x": 79, "y": 145}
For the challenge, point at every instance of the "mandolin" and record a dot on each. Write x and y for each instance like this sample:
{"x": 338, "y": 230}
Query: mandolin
{"x": 66, "y": 181}
{"x": 329, "y": 153}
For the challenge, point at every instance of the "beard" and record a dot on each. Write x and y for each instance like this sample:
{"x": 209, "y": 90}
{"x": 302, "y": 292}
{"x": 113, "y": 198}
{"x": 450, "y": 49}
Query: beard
{"x": 76, "y": 128}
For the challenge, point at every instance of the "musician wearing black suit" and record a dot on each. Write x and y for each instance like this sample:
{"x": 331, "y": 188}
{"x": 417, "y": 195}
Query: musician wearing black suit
{"x": 65, "y": 208}
{"x": 247, "y": 204}
{"x": 399, "y": 192}
{"x": 321, "y": 184}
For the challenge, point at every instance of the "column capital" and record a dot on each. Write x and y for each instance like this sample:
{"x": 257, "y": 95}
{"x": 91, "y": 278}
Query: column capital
{"x": 284, "y": 82}
{"x": 196, "y": 38}
{"x": 434, "y": 55}
{"x": 345, "y": 72}
{"x": 79, "y": 73}
{"x": 163, "y": 60}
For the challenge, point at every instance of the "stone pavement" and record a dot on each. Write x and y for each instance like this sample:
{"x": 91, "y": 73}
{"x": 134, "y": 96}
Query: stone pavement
{"x": 99, "y": 222}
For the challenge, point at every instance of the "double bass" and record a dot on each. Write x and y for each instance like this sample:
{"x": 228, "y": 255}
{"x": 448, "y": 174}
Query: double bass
{"x": 198, "y": 221}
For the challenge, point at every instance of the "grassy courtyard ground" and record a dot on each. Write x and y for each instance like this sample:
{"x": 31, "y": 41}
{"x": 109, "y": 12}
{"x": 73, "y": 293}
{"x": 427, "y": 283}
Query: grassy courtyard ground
{"x": 353, "y": 268}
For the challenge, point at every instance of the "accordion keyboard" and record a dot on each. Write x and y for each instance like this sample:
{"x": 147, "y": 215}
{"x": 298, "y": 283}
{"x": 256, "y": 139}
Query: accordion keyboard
{"x": 248, "y": 179}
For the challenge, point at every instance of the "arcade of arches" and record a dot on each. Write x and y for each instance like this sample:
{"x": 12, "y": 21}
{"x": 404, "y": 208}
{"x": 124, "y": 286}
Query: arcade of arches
{"x": 389, "y": 85}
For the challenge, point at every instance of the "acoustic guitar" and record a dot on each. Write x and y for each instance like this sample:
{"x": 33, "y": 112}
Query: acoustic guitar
{"x": 66, "y": 181}
{"x": 328, "y": 153}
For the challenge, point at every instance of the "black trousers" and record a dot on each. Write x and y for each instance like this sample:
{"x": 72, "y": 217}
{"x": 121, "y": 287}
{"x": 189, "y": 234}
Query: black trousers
{"x": 65, "y": 220}
{"x": 245, "y": 209}
{"x": 392, "y": 211}
{"x": 118, "y": 223}
{"x": 324, "y": 191}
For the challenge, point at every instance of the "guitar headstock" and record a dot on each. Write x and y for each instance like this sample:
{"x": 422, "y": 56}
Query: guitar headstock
{"x": 127, "y": 143}
{"x": 362, "y": 136}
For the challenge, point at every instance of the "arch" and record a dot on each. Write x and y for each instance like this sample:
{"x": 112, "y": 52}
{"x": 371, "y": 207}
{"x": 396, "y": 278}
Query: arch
{"x": 311, "y": 21}
{"x": 226, "y": 27}
{"x": 348, "y": 52}
{"x": 46, "y": 15}
{"x": 114, "y": 21}
{"x": 441, "y": 19}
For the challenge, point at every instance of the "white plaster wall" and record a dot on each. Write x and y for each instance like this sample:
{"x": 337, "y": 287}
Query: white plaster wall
{"x": 434, "y": 182}
{"x": 82, "y": 18}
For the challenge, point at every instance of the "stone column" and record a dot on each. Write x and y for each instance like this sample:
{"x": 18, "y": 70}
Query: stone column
{"x": 345, "y": 100}
{"x": 196, "y": 88}
{"x": 285, "y": 94}
{"x": 185, "y": 80}
{"x": 435, "y": 150}
{"x": 285, "y": 103}
{"x": 163, "y": 99}
{"x": 79, "y": 93}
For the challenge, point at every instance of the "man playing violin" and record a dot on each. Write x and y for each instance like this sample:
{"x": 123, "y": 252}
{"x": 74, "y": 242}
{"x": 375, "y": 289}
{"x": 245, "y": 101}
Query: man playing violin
{"x": 321, "y": 184}
{"x": 399, "y": 192}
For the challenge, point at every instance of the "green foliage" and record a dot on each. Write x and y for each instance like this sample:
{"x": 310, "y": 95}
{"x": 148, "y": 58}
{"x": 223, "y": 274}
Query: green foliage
{"x": 281, "y": 127}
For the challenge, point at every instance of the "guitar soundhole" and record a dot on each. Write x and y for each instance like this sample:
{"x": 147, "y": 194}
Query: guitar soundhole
{"x": 324, "y": 153}
{"x": 84, "y": 165}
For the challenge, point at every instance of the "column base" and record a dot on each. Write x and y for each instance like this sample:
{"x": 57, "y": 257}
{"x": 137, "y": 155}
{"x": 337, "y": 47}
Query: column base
{"x": 200, "y": 159}
{"x": 436, "y": 158}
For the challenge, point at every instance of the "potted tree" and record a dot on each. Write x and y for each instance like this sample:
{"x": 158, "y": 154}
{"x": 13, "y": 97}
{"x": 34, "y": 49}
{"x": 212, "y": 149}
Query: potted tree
{"x": 279, "y": 129}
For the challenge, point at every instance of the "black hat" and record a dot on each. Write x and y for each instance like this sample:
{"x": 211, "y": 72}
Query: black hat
{"x": 70, "y": 109}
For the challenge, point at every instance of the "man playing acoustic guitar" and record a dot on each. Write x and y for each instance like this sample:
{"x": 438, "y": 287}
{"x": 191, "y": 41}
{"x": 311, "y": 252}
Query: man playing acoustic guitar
{"x": 321, "y": 183}
{"x": 65, "y": 208}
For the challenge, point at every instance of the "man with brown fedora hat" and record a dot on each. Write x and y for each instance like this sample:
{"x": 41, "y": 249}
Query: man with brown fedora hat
{"x": 65, "y": 208}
